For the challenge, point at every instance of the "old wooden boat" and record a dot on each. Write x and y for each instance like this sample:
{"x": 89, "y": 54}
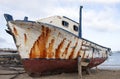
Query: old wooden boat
{"x": 53, "y": 44}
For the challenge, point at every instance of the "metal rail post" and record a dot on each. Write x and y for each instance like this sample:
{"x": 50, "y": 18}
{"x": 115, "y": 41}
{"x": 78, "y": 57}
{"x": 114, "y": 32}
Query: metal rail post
{"x": 79, "y": 68}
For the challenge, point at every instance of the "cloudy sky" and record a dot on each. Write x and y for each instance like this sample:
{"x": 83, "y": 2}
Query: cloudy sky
{"x": 100, "y": 22}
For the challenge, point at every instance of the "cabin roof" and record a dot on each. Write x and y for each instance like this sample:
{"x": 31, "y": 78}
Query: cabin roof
{"x": 70, "y": 19}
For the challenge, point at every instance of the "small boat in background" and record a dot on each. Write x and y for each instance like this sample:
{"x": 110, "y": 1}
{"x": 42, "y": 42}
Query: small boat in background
{"x": 53, "y": 44}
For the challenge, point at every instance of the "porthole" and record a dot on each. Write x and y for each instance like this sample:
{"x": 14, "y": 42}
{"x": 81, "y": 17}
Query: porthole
{"x": 75, "y": 28}
{"x": 64, "y": 23}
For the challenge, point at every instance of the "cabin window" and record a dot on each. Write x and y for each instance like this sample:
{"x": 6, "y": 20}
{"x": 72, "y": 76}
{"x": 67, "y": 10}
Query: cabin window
{"x": 75, "y": 28}
{"x": 64, "y": 23}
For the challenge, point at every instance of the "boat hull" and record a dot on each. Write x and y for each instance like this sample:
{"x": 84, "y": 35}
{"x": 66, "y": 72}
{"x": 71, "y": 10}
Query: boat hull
{"x": 95, "y": 62}
{"x": 39, "y": 67}
{"x": 45, "y": 48}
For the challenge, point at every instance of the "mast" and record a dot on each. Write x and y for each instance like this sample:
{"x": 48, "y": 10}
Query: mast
{"x": 80, "y": 22}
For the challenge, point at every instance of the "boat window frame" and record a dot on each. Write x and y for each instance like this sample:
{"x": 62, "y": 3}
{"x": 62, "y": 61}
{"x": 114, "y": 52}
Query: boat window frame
{"x": 65, "y": 23}
{"x": 75, "y": 28}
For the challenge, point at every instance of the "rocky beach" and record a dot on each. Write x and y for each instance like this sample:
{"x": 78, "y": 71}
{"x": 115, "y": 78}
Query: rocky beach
{"x": 21, "y": 74}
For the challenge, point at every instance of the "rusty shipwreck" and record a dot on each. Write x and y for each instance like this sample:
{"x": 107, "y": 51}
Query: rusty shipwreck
{"x": 53, "y": 44}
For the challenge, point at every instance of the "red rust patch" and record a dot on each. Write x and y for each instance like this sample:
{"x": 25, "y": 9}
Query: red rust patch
{"x": 72, "y": 52}
{"x": 38, "y": 67}
{"x": 50, "y": 52}
{"x": 39, "y": 48}
{"x": 96, "y": 61}
{"x": 15, "y": 31}
{"x": 66, "y": 49}
{"x": 58, "y": 50}
{"x": 25, "y": 38}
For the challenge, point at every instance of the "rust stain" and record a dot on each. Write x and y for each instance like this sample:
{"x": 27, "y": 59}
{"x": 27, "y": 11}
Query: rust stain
{"x": 66, "y": 49}
{"x": 50, "y": 52}
{"x": 15, "y": 31}
{"x": 59, "y": 34}
{"x": 39, "y": 47}
{"x": 31, "y": 54}
{"x": 37, "y": 50}
{"x": 58, "y": 50}
{"x": 25, "y": 38}
{"x": 72, "y": 52}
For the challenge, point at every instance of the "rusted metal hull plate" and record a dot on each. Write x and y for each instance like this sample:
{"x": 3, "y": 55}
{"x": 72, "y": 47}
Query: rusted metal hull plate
{"x": 39, "y": 67}
{"x": 95, "y": 62}
{"x": 44, "y": 66}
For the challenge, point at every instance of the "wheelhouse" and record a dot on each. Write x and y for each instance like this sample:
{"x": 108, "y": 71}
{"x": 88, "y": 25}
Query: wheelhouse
{"x": 62, "y": 22}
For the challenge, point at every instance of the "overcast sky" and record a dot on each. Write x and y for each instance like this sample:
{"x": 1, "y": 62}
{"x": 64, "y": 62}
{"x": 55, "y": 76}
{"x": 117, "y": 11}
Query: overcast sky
{"x": 100, "y": 22}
